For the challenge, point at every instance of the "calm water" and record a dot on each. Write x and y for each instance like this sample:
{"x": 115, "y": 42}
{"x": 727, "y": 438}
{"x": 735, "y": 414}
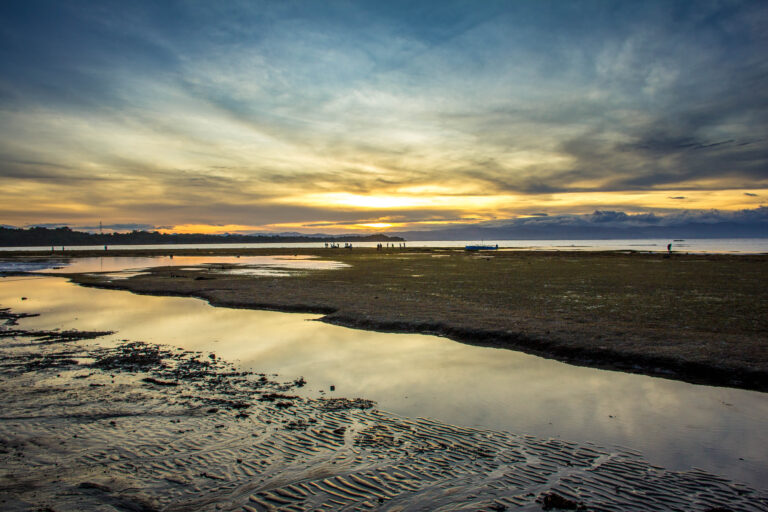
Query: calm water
{"x": 674, "y": 424}
{"x": 122, "y": 265}
{"x": 700, "y": 245}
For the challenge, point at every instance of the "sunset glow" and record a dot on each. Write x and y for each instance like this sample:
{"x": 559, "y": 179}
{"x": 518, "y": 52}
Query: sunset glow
{"x": 334, "y": 117}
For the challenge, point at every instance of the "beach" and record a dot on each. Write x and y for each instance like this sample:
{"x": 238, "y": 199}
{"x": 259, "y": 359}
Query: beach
{"x": 138, "y": 426}
{"x": 127, "y": 424}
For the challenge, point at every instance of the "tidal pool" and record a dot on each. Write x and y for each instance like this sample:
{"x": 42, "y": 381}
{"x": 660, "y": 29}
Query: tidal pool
{"x": 674, "y": 424}
{"x": 257, "y": 265}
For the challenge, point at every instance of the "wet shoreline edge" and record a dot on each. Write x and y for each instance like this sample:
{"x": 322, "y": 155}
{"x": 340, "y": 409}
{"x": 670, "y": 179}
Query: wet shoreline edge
{"x": 604, "y": 359}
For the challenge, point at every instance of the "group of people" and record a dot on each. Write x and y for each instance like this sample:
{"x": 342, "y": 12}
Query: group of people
{"x": 380, "y": 246}
{"x": 348, "y": 245}
{"x": 334, "y": 245}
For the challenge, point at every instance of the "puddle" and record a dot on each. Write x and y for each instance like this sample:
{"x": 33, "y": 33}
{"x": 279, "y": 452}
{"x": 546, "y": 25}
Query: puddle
{"x": 124, "y": 263}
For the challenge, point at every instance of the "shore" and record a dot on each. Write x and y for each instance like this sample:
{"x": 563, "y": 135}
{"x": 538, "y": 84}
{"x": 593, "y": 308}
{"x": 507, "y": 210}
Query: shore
{"x": 698, "y": 318}
{"x": 140, "y": 426}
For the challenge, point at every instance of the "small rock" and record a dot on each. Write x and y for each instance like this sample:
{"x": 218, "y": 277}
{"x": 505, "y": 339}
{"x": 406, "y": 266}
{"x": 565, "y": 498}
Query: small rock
{"x": 553, "y": 500}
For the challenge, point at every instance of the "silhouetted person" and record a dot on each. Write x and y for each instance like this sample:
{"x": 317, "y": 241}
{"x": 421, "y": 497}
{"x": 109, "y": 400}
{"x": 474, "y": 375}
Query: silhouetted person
{"x": 669, "y": 248}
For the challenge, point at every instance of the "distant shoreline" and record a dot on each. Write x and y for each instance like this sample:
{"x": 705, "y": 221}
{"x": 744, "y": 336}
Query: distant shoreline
{"x": 44, "y": 237}
{"x": 738, "y": 246}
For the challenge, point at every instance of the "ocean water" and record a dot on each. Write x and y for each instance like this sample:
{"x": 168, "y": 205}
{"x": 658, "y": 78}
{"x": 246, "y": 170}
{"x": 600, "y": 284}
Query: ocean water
{"x": 694, "y": 245}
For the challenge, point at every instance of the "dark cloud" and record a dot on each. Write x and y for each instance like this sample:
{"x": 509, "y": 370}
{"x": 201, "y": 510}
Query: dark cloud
{"x": 117, "y": 227}
{"x": 622, "y": 219}
{"x": 52, "y": 225}
{"x": 613, "y": 224}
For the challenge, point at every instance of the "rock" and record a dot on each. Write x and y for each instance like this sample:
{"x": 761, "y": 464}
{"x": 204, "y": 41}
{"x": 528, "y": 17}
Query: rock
{"x": 553, "y": 500}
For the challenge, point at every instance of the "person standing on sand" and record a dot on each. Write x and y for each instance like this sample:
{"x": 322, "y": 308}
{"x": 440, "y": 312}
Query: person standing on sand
{"x": 669, "y": 248}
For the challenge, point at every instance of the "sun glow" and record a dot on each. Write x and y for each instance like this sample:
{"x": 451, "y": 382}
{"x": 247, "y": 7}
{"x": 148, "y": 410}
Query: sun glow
{"x": 377, "y": 225}
{"x": 405, "y": 212}
{"x": 208, "y": 229}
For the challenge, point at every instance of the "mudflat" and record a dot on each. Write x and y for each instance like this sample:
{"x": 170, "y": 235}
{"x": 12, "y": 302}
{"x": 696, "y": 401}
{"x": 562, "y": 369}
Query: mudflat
{"x": 700, "y": 318}
{"x": 88, "y": 425}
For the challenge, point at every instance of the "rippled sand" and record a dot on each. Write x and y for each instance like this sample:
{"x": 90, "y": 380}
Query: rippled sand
{"x": 140, "y": 427}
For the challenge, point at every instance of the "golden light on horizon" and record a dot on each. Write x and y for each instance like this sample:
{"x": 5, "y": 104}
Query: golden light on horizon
{"x": 208, "y": 229}
{"x": 404, "y": 212}
{"x": 377, "y": 225}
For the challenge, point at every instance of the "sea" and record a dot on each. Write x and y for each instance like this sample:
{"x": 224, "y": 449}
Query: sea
{"x": 694, "y": 245}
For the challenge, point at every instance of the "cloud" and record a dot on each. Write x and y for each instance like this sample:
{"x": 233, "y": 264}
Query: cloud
{"x": 51, "y": 225}
{"x": 117, "y": 227}
{"x": 613, "y": 224}
{"x": 622, "y": 219}
{"x": 247, "y": 108}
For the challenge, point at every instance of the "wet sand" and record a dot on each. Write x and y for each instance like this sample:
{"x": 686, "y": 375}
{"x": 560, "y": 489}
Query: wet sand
{"x": 698, "y": 318}
{"x": 137, "y": 426}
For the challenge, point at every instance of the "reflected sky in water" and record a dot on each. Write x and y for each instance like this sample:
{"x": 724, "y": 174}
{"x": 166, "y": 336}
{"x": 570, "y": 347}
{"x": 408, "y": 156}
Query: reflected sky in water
{"x": 674, "y": 424}
{"x": 257, "y": 265}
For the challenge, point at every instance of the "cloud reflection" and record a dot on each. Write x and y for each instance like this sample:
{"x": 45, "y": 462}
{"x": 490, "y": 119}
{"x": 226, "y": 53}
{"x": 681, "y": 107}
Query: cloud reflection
{"x": 674, "y": 424}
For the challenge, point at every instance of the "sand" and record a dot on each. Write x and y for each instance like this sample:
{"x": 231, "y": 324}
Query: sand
{"x": 137, "y": 426}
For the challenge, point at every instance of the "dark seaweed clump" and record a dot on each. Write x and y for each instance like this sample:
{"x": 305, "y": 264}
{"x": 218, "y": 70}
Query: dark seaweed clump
{"x": 134, "y": 356}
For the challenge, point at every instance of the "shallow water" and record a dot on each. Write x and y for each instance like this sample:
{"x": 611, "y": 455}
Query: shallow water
{"x": 674, "y": 424}
{"x": 253, "y": 265}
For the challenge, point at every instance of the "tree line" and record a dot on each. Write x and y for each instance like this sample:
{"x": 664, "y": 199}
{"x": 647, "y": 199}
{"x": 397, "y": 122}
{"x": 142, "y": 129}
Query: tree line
{"x": 40, "y": 236}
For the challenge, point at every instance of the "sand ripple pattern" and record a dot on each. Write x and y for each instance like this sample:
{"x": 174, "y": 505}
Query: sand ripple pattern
{"x": 81, "y": 431}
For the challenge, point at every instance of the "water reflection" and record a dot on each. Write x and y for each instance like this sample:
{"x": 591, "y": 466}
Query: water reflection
{"x": 674, "y": 424}
{"x": 258, "y": 265}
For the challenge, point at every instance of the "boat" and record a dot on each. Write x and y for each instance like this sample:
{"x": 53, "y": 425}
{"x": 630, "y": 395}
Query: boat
{"x": 481, "y": 247}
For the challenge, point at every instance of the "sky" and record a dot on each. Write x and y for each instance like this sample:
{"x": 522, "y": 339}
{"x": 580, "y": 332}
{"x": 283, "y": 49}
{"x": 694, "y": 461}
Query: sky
{"x": 342, "y": 116}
